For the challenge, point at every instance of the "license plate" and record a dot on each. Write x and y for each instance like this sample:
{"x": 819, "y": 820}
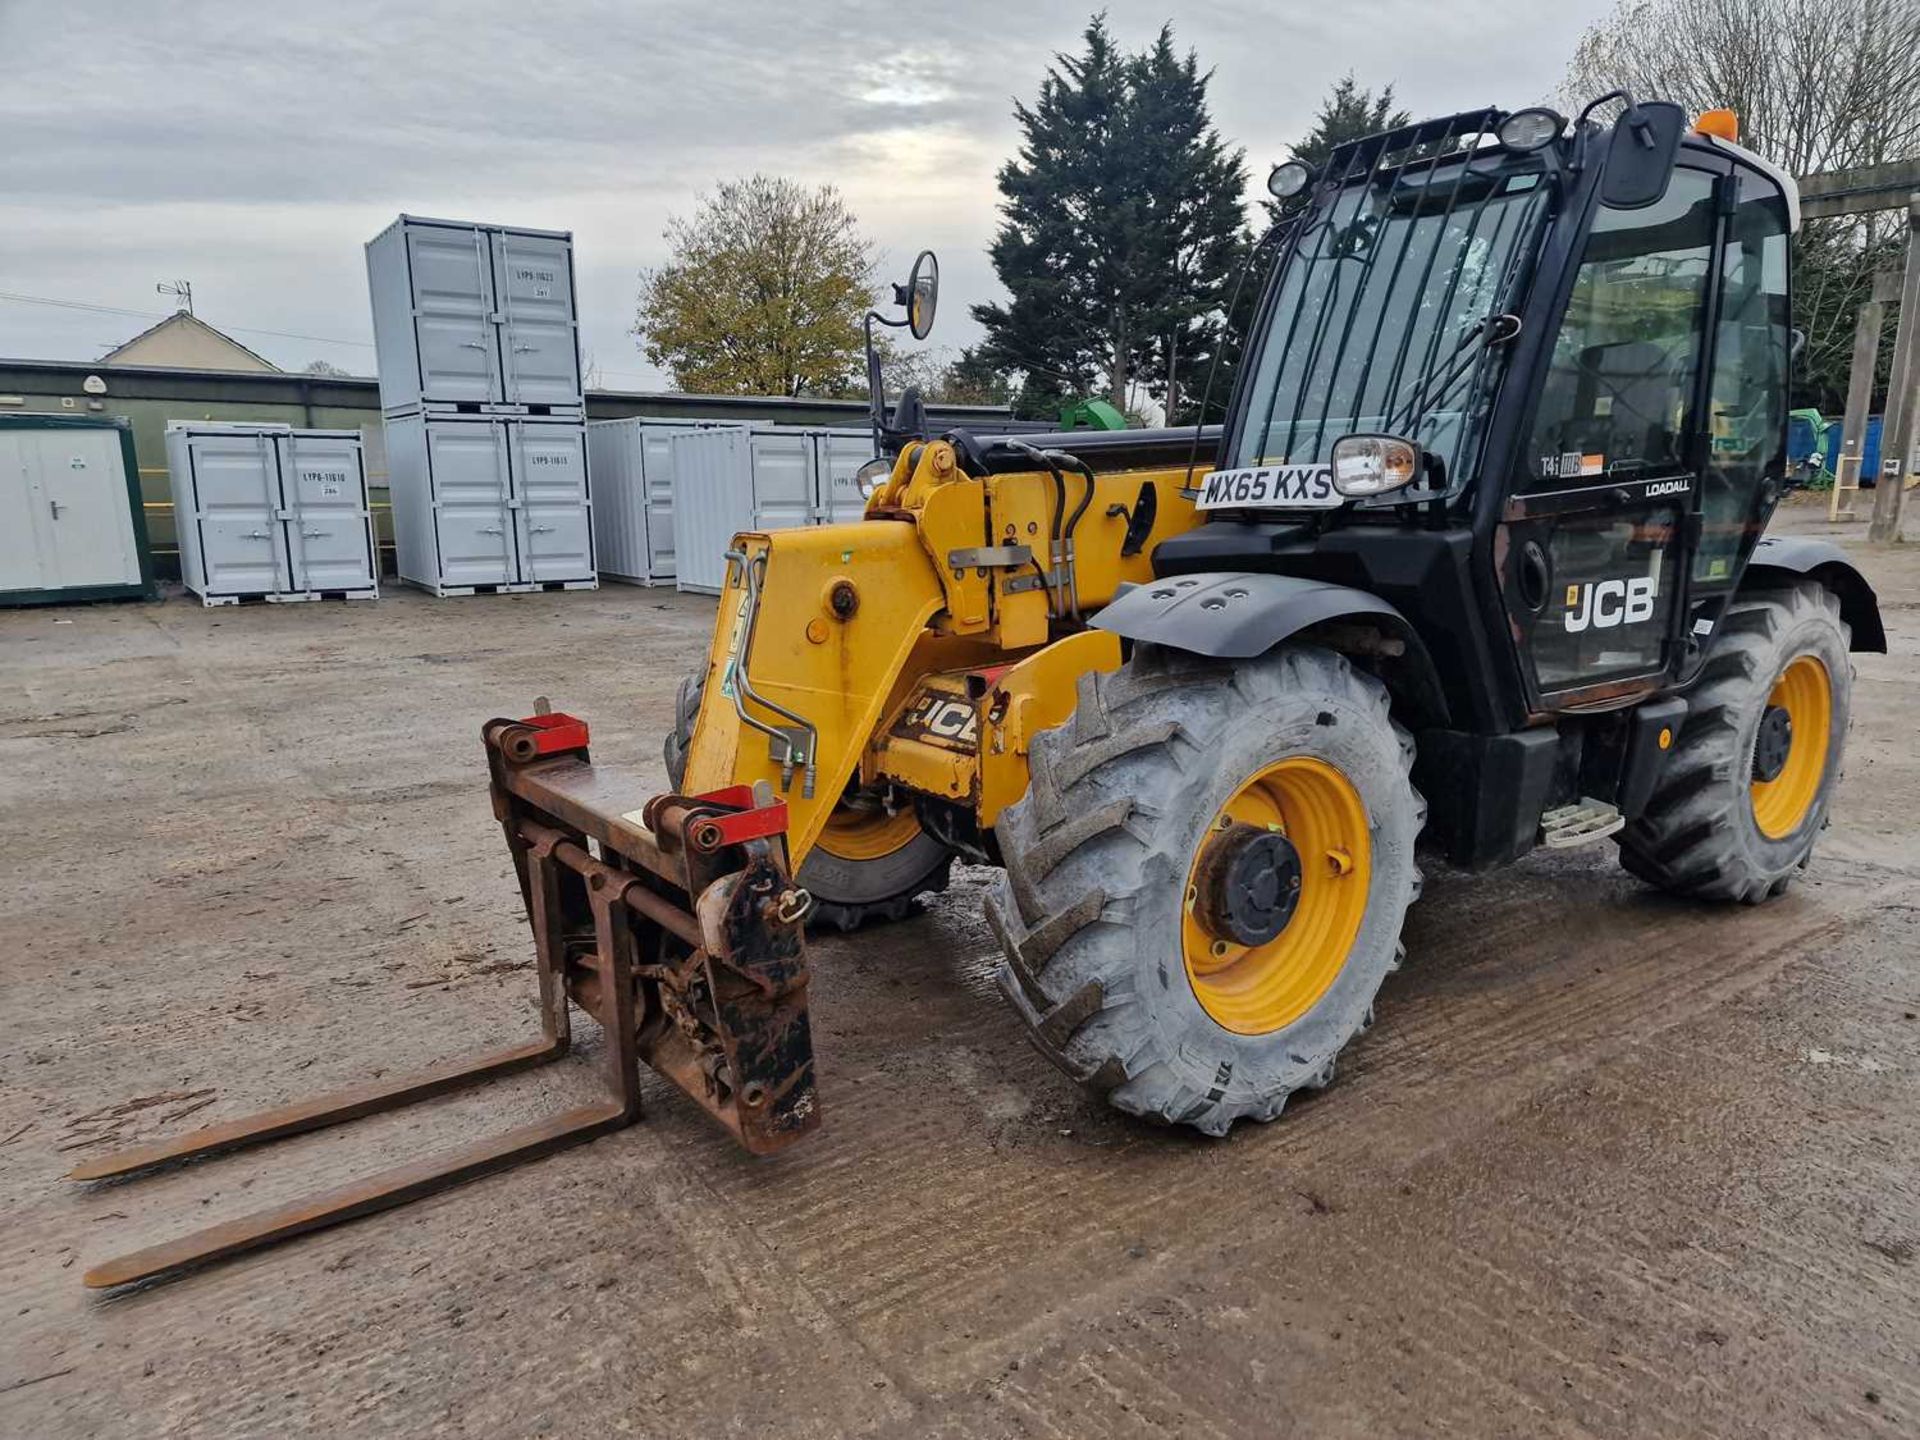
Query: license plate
{"x": 1293, "y": 487}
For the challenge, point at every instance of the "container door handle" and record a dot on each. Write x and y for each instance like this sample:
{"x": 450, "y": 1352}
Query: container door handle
{"x": 473, "y": 345}
{"x": 525, "y": 349}
{"x": 540, "y": 529}
{"x": 56, "y": 507}
{"x": 315, "y": 534}
{"x": 491, "y": 530}
{"x": 258, "y": 535}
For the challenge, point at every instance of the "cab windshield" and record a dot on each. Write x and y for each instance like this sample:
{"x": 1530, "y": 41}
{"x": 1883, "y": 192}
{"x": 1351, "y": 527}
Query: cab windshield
{"x": 1382, "y": 310}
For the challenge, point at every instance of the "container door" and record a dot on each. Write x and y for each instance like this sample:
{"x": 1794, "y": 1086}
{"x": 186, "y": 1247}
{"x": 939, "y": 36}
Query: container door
{"x": 783, "y": 479}
{"x": 837, "y": 499}
{"x": 23, "y": 515}
{"x": 550, "y": 481}
{"x": 236, "y": 503}
{"x": 452, "y": 273}
{"x": 327, "y": 518}
{"x": 656, "y": 449}
{"x": 539, "y": 350}
{"x": 467, "y": 462}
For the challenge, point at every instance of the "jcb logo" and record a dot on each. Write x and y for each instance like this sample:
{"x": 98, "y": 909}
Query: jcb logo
{"x": 937, "y": 717}
{"x": 1606, "y": 603}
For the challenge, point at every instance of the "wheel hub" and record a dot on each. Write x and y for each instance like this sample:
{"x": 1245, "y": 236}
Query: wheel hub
{"x": 1248, "y": 884}
{"x": 1773, "y": 743}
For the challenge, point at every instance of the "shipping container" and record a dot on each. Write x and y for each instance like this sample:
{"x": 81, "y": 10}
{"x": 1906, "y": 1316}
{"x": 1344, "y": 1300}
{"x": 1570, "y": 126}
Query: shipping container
{"x": 727, "y": 481}
{"x": 632, "y": 465}
{"x": 271, "y": 512}
{"x": 490, "y": 504}
{"x": 474, "y": 319}
{"x": 71, "y": 523}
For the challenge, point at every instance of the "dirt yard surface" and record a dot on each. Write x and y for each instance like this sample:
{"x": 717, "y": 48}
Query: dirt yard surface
{"x": 1608, "y": 1165}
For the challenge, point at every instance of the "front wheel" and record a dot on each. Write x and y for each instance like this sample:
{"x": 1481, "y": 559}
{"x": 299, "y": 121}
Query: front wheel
{"x": 1207, "y": 878}
{"x": 869, "y": 864}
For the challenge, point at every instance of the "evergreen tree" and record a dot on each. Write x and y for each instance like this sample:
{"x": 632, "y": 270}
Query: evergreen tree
{"x": 1124, "y": 217}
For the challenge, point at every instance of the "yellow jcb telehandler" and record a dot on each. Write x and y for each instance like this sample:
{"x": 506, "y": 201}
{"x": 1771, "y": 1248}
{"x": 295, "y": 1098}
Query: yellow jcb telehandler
{"x": 1474, "y": 561}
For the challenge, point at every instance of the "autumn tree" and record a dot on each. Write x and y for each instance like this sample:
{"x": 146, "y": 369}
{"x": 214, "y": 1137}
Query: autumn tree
{"x": 1818, "y": 85}
{"x": 1123, "y": 221}
{"x": 763, "y": 293}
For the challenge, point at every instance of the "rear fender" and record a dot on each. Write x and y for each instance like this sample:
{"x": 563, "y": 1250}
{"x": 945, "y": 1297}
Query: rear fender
{"x": 1781, "y": 560}
{"x": 1236, "y": 615}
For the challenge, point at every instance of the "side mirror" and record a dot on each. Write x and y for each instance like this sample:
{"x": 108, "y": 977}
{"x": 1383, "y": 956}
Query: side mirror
{"x": 921, "y": 294}
{"x": 1646, "y": 140}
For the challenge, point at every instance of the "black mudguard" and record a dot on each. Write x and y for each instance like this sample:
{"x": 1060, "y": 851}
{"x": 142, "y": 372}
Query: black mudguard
{"x": 1785, "y": 558}
{"x": 1235, "y": 615}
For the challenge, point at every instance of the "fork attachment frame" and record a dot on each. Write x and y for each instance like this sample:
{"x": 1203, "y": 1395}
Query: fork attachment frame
{"x": 676, "y": 925}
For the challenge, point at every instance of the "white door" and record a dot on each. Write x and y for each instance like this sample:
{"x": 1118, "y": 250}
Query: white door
{"x": 783, "y": 485}
{"x": 539, "y": 349}
{"x": 452, "y": 273}
{"x": 23, "y": 515}
{"x": 326, "y": 509}
{"x": 473, "y": 525}
{"x": 550, "y": 482}
{"x": 656, "y": 457}
{"x": 235, "y": 482}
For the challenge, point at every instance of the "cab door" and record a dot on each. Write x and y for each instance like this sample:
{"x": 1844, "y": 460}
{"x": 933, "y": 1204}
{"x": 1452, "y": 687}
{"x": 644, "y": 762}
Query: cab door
{"x": 1594, "y": 542}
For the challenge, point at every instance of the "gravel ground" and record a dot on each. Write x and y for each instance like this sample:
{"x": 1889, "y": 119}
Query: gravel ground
{"x": 1608, "y": 1165}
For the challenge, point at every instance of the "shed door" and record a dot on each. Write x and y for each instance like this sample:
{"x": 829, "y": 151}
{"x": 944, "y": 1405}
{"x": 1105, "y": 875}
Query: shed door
{"x": 539, "y": 351}
{"x": 452, "y": 272}
{"x": 467, "y": 461}
{"x": 550, "y": 476}
{"x": 326, "y": 507}
{"x": 236, "y": 502}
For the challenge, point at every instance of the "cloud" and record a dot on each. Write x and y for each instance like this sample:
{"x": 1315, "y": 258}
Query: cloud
{"x": 253, "y": 148}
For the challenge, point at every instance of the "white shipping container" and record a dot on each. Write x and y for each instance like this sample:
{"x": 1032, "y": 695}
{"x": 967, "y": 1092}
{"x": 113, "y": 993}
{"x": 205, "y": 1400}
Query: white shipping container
{"x": 471, "y": 317}
{"x": 488, "y": 503}
{"x": 727, "y": 481}
{"x": 71, "y": 527}
{"x": 632, "y": 464}
{"x": 270, "y": 512}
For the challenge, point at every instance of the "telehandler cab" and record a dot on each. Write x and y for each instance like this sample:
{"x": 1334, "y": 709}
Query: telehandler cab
{"x": 1474, "y": 558}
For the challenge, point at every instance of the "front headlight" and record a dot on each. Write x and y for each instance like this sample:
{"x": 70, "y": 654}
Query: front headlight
{"x": 1373, "y": 464}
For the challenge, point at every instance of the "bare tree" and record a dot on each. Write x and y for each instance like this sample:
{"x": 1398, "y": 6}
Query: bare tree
{"x": 1818, "y": 85}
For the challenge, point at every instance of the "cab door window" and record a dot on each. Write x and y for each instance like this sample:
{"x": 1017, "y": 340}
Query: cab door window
{"x": 1621, "y": 382}
{"x": 1746, "y": 456}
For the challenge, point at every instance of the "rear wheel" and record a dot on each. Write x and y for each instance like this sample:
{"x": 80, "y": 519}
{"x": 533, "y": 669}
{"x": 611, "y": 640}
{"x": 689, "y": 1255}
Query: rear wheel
{"x": 869, "y": 864}
{"x": 1745, "y": 792}
{"x": 1206, "y": 880}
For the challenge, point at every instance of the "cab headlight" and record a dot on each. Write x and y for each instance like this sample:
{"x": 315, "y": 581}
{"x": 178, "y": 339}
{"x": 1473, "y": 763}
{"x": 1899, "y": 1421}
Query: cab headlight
{"x": 1288, "y": 180}
{"x": 1526, "y": 130}
{"x": 1373, "y": 464}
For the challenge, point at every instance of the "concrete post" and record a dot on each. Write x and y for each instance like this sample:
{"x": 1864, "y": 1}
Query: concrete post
{"x": 1897, "y": 430}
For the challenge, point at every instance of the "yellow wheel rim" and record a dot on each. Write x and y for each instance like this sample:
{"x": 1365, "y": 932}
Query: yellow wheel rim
{"x": 1256, "y": 989}
{"x": 1782, "y": 804}
{"x": 868, "y": 834}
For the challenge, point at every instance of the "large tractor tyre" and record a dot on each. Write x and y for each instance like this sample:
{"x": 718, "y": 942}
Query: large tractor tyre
{"x": 1206, "y": 880}
{"x": 867, "y": 865}
{"x": 1745, "y": 791}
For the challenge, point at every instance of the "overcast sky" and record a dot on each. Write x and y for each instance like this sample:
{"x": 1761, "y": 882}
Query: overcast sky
{"x": 253, "y": 147}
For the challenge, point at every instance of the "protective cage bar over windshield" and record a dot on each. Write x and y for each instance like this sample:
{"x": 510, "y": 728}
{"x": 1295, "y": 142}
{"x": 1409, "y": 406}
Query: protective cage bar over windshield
{"x": 1393, "y": 298}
